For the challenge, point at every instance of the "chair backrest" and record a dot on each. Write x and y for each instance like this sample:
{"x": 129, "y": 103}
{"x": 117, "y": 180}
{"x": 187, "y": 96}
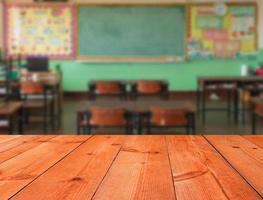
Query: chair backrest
{"x": 31, "y": 87}
{"x": 149, "y": 86}
{"x": 107, "y": 87}
{"x": 168, "y": 116}
{"x": 107, "y": 116}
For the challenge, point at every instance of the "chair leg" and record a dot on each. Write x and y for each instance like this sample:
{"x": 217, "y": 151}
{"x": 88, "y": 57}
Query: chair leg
{"x": 187, "y": 129}
{"x": 236, "y": 105}
{"x": 254, "y": 119}
{"x": 193, "y": 124}
{"x": 198, "y": 102}
{"x": 88, "y": 129}
{"x": 45, "y": 117}
{"x": 52, "y": 115}
{"x": 204, "y": 107}
{"x": 229, "y": 104}
{"x": 10, "y": 121}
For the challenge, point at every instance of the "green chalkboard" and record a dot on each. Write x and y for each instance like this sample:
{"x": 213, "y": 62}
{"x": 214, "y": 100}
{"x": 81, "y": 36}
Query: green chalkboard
{"x": 131, "y": 30}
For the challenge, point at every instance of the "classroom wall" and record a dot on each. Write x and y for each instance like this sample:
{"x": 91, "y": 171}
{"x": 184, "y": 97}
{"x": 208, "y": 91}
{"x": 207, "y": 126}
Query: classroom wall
{"x": 182, "y": 76}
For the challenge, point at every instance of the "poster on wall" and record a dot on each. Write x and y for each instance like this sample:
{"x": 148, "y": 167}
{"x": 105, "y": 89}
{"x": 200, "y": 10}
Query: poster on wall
{"x": 231, "y": 35}
{"x": 40, "y": 30}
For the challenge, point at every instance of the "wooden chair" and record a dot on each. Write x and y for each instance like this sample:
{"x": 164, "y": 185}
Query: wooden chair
{"x": 106, "y": 88}
{"x": 96, "y": 117}
{"x": 170, "y": 118}
{"x": 36, "y": 96}
{"x": 150, "y": 88}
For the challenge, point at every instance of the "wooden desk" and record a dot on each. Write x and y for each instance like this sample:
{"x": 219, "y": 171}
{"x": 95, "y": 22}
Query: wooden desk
{"x": 12, "y": 112}
{"x": 241, "y": 82}
{"x": 140, "y": 111}
{"x": 131, "y": 167}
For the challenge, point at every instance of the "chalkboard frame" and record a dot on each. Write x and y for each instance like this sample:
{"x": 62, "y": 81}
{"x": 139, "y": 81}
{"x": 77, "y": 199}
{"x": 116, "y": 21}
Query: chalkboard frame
{"x": 132, "y": 58}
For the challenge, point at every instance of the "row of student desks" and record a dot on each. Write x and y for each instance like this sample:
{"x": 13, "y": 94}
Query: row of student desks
{"x": 140, "y": 110}
{"x": 131, "y": 167}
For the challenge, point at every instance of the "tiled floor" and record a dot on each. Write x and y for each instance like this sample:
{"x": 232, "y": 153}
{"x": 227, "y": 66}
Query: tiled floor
{"x": 217, "y": 122}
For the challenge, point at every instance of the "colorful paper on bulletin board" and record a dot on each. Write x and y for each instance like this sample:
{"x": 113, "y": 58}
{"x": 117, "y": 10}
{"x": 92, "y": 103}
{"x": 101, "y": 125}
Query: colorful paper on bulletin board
{"x": 40, "y": 30}
{"x": 209, "y": 22}
{"x": 227, "y": 36}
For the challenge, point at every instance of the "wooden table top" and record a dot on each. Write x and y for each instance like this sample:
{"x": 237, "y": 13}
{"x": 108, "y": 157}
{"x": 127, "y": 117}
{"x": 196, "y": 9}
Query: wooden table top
{"x": 10, "y": 107}
{"x": 131, "y": 167}
{"x": 225, "y": 79}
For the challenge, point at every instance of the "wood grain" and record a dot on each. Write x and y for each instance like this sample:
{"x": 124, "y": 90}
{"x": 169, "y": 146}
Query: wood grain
{"x": 5, "y": 138}
{"x": 256, "y": 139}
{"x": 244, "y": 156}
{"x": 16, "y": 173}
{"x": 18, "y": 145}
{"x": 199, "y": 172}
{"x": 79, "y": 181}
{"x": 131, "y": 167}
{"x": 141, "y": 171}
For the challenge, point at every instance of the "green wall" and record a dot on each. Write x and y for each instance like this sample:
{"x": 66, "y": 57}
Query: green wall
{"x": 182, "y": 76}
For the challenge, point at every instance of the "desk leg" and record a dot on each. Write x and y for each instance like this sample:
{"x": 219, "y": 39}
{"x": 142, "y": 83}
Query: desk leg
{"x": 203, "y": 109}
{"x": 254, "y": 118}
{"x": 198, "y": 101}
{"x": 10, "y": 121}
{"x": 229, "y": 92}
{"x": 20, "y": 121}
{"x": 236, "y": 101}
{"x": 193, "y": 123}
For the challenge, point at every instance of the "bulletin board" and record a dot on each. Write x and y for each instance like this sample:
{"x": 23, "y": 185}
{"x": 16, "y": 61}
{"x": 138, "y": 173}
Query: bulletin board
{"x": 40, "y": 30}
{"x": 232, "y": 34}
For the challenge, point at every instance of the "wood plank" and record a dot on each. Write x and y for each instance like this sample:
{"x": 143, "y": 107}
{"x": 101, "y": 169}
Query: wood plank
{"x": 4, "y": 138}
{"x": 18, "y": 172}
{"x": 244, "y": 156}
{"x": 79, "y": 174}
{"x": 141, "y": 171}
{"x": 256, "y": 139}
{"x": 199, "y": 172}
{"x": 18, "y": 145}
